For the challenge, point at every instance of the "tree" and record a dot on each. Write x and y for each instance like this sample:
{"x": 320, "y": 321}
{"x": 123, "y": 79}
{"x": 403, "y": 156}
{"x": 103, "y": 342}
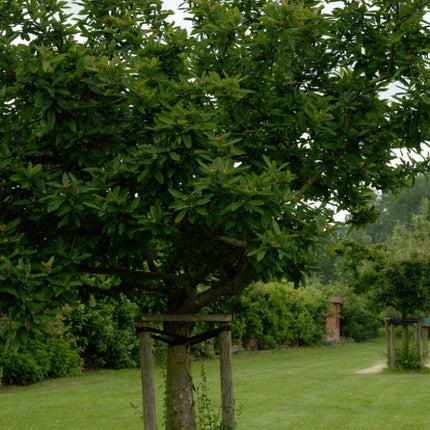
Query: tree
{"x": 396, "y": 275}
{"x": 398, "y": 208}
{"x": 189, "y": 166}
{"x": 406, "y": 279}
{"x": 393, "y": 208}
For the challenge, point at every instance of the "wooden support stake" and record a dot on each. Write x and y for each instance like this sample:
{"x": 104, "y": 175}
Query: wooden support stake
{"x": 392, "y": 350}
{"x": 425, "y": 342}
{"x": 149, "y": 413}
{"x": 226, "y": 370}
{"x": 419, "y": 338}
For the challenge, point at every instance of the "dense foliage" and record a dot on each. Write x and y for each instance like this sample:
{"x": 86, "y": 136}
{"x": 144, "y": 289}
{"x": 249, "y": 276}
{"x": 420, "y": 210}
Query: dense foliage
{"x": 360, "y": 320}
{"x": 105, "y": 332}
{"x": 275, "y": 314}
{"x": 133, "y": 149}
{"x": 396, "y": 273}
{"x": 52, "y": 357}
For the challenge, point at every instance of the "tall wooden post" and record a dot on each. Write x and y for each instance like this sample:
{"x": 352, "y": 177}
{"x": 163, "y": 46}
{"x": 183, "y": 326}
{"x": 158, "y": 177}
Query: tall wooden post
{"x": 388, "y": 341}
{"x": 392, "y": 350}
{"x": 419, "y": 338}
{"x": 387, "y": 338}
{"x": 146, "y": 366}
{"x": 425, "y": 341}
{"x": 227, "y": 397}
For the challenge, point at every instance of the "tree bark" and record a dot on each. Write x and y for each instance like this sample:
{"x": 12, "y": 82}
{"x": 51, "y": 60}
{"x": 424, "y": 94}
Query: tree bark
{"x": 179, "y": 402}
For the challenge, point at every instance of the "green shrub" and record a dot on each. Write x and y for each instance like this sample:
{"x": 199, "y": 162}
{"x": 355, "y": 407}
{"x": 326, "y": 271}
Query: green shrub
{"x": 52, "y": 357}
{"x": 276, "y": 313}
{"x": 105, "y": 332}
{"x": 358, "y": 321}
{"x": 408, "y": 358}
{"x": 64, "y": 359}
{"x": 22, "y": 368}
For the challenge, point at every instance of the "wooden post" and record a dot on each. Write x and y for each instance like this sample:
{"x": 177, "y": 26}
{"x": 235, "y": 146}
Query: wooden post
{"x": 419, "y": 338}
{"x": 387, "y": 338}
{"x": 425, "y": 341}
{"x": 149, "y": 413}
{"x": 226, "y": 371}
{"x": 392, "y": 350}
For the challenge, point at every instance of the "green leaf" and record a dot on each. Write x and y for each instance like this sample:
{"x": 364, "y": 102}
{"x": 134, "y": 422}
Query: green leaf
{"x": 201, "y": 210}
{"x": 50, "y": 119}
{"x": 54, "y": 204}
{"x": 71, "y": 123}
{"x": 276, "y": 228}
{"x": 232, "y": 207}
{"x": 174, "y": 156}
{"x": 180, "y": 216}
{"x": 187, "y": 141}
{"x": 92, "y": 206}
{"x": 261, "y": 254}
{"x": 46, "y": 66}
{"x": 49, "y": 263}
{"x": 158, "y": 176}
{"x": 175, "y": 193}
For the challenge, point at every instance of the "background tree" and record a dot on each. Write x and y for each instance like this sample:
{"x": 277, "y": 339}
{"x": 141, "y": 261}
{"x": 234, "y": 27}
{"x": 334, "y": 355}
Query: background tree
{"x": 393, "y": 209}
{"x": 406, "y": 278}
{"x": 190, "y": 165}
{"x": 398, "y": 208}
{"x": 395, "y": 275}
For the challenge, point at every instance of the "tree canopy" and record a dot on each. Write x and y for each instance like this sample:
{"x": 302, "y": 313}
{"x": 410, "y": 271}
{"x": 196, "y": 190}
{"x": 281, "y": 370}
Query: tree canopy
{"x": 189, "y": 165}
{"x": 394, "y": 274}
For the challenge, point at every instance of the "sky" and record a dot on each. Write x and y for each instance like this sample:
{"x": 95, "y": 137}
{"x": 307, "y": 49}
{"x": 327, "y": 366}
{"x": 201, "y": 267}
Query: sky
{"x": 179, "y": 14}
{"x": 173, "y": 5}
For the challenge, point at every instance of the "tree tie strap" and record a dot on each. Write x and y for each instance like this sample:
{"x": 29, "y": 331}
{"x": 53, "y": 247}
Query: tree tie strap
{"x": 176, "y": 339}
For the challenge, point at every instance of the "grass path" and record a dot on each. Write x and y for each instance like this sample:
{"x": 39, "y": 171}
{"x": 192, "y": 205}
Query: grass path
{"x": 309, "y": 388}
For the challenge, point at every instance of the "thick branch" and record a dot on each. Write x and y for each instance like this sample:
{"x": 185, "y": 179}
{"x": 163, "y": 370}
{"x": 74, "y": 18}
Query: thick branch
{"x": 233, "y": 242}
{"x": 135, "y": 274}
{"x": 311, "y": 180}
{"x": 153, "y": 288}
{"x": 198, "y": 275}
{"x": 244, "y": 275}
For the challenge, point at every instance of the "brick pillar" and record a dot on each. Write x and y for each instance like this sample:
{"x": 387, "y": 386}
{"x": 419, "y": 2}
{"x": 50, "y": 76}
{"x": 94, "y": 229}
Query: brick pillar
{"x": 332, "y": 321}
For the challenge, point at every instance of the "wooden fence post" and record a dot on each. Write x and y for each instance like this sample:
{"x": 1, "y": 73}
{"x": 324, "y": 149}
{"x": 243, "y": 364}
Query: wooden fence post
{"x": 425, "y": 341}
{"x": 392, "y": 349}
{"x": 226, "y": 370}
{"x": 419, "y": 338}
{"x": 149, "y": 413}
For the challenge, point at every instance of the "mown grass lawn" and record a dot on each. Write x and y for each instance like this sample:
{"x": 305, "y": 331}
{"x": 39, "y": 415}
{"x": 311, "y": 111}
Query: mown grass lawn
{"x": 309, "y": 388}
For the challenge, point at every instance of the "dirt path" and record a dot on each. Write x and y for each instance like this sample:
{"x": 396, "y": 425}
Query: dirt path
{"x": 379, "y": 367}
{"x": 376, "y": 368}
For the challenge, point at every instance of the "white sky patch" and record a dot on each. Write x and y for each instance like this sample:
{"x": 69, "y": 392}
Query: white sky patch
{"x": 179, "y": 17}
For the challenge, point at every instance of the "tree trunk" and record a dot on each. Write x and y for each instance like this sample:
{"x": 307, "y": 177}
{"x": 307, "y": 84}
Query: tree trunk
{"x": 179, "y": 402}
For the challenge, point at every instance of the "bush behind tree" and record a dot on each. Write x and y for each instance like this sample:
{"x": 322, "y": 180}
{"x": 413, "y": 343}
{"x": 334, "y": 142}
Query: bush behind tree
{"x": 52, "y": 357}
{"x": 105, "y": 331}
{"x": 358, "y": 321}
{"x": 277, "y": 314}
